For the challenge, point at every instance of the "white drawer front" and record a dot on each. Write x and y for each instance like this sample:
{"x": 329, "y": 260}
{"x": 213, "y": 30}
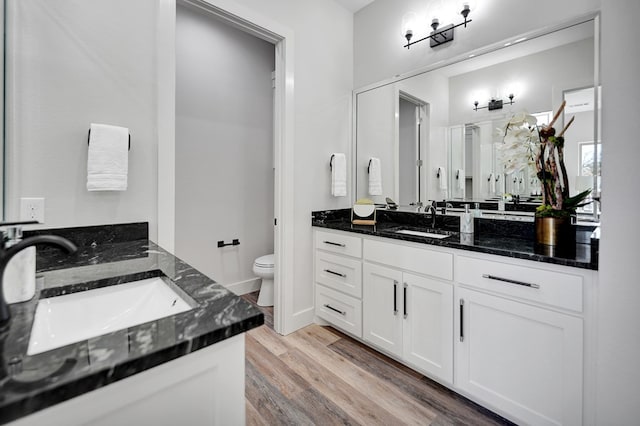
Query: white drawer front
{"x": 340, "y": 273}
{"x": 345, "y": 312}
{"x": 553, "y": 288}
{"x": 423, "y": 261}
{"x": 339, "y": 243}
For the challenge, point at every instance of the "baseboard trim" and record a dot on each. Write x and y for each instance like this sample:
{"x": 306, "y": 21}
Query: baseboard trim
{"x": 244, "y": 287}
{"x": 300, "y": 320}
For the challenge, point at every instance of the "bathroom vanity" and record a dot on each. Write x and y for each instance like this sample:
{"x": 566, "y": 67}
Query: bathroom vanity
{"x": 183, "y": 368}
{"x": 489, "y": 316}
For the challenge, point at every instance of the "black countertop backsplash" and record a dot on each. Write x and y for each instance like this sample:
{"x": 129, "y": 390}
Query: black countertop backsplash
{"x": 107, "y": 256}
{"x": 511, "y": 238}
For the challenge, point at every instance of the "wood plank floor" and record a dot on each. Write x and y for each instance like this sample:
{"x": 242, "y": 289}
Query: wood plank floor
{"x": 319, "y": 376}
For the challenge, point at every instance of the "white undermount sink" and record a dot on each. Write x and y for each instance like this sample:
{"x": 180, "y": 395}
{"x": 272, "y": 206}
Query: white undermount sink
{"x": 75, "y": 317}
{"x": 422, "y": 234}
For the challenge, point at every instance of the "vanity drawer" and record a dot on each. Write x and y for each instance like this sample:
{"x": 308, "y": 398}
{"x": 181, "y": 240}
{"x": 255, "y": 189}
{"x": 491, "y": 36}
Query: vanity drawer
{"x": 339, "y": 243}
{"x": 564, "y": 290}
{"x": 345, "y": 312}
{"x": 422, "y": 260}
{"x": 340, "y": 273}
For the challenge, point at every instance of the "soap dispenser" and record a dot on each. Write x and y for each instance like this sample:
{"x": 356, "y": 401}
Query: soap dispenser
{"x": 19, "y": 281}
{"x": 466, "y": 221}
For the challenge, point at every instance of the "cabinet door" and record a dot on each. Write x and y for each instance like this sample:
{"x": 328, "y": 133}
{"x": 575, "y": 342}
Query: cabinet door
{"x": 523, "y": 360}
{"x": 382, "y": 308}
{"x": 428, "y": 326}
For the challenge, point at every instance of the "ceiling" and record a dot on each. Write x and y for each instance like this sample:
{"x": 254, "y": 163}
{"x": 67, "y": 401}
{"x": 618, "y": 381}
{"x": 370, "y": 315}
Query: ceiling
{"x": 354, "y": 5}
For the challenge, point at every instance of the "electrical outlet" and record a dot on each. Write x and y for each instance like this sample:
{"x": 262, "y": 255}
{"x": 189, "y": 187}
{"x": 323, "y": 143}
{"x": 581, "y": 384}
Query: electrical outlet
{"x": 32, "y": 209}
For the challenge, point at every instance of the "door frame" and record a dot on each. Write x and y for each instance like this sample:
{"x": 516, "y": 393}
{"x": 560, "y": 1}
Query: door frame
{"x": 282, "y": 37}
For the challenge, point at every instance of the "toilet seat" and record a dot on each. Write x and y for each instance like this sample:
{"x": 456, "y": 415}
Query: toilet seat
{"x": 265, "y": 261}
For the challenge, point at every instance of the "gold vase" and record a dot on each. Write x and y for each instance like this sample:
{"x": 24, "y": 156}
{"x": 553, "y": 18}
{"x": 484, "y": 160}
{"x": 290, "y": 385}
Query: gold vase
{"x": 553, "y": 231}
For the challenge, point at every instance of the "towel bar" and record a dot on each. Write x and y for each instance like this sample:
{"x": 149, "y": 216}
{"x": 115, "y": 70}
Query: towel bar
{"x": 89, "y": 139}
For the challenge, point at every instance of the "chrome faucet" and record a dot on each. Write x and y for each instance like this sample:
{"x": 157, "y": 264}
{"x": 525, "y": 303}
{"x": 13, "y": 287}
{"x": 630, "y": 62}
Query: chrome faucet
{"x": 432, "y": 210}
{"x": 6, "y": 253}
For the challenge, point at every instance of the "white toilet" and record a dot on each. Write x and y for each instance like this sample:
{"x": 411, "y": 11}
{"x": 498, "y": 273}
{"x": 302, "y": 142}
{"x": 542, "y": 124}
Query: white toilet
{"x": 263, "y": 268}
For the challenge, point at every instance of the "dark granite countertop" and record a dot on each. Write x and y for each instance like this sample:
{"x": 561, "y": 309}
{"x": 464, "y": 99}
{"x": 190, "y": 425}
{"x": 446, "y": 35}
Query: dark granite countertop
{"x": 491, "y": 236}
{"x": 32, "y": 383}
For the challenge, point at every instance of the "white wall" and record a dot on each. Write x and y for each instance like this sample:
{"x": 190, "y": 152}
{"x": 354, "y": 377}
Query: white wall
{"x": 224, "y": 146}
{"x": 378, "y": 39}
{"x": 619, "y": 289}
{"x": 70, "y": 64}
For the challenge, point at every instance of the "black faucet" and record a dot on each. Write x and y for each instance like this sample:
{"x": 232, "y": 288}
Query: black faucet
{"x": 432, "y": 210}
{"x": 7, "y": 253}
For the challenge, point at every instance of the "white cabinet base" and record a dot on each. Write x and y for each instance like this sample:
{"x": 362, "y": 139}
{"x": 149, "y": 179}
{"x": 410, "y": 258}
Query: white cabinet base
{"x": 205, "y": 387}
{"x": 520, "y": 359}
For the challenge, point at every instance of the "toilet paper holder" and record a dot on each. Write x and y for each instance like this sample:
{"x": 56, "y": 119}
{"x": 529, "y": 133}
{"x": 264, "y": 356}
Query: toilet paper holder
{"x": 234, "y": 242}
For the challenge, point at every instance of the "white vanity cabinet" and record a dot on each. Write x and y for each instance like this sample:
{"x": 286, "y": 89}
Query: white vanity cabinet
{"x": 408, "y": 315}
{"x": 520, "y": 339}
{"x": 515, "y": 336}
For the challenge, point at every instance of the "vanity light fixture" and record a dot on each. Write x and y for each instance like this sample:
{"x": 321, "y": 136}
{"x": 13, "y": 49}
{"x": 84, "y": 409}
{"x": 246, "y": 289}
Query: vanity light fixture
{"x": 494, "y": 103}
{"x": 442, "y": 36}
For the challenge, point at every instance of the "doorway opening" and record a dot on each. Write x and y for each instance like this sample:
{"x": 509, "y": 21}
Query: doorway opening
{"x": 282, "y": 133}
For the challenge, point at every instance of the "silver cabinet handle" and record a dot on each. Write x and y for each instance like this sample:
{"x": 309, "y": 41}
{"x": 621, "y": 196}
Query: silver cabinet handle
{"x": 334, "y": 244}
{"x": 395, "y": 297}
{"x": 334, "y": 309}
{"x": 510, "y": 281}
{"x": 335, "y": 273}
{"x": 405, "y": 300}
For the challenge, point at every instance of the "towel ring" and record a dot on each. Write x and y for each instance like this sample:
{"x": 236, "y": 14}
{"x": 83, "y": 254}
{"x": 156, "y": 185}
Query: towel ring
{"x": 331, "y": 162}
{"x": 490, "y": 176}
{"x": 89, "y": 139}
{"x": 438, "y": 173}
{"x": 497, "y": 178}
{"x": 369, "y": 167}
{"x": 457, "y": 174}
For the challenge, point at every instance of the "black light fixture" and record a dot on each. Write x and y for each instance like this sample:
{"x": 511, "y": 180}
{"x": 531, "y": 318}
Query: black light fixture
{"x": 442, "y": 36}
{"x": 494, "y": 103}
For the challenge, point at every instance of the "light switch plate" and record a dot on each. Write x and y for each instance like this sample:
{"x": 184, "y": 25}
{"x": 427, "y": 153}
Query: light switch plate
{"x": 32, "y": 209}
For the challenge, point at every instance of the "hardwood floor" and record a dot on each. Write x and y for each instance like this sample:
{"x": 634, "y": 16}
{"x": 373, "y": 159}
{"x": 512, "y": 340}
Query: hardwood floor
{"x": 319, "y": 376}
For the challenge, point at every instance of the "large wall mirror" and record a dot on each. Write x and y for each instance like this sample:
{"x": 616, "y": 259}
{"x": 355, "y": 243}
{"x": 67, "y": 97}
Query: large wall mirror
{"x": 433, "y": 141}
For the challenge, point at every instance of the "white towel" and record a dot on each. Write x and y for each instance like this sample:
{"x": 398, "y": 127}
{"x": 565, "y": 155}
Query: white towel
{"x": 461, "y": 178}
{"x": 108, "y": 159}
{"x": 492, "y": 184}
{"x": 442, "y": 179}
{"x": 338, "y": 175}
{"x": 375, "y": 176}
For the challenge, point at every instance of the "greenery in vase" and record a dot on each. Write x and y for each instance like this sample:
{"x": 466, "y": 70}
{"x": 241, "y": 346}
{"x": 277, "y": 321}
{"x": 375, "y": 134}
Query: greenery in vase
{"x": 525, "y": 144}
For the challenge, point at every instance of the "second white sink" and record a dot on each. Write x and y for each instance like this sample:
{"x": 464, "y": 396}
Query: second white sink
{"x": 75, "y": 317}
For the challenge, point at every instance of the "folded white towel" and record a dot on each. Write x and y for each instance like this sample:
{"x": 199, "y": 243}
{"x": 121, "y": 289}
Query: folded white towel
{"x": 461, "y": 178}
{"x": 108, "y": 159}
{"x": 442, "y": 179}
{"x": 492, "y": 184}
{"x": 375, "y": 176}
{"x": 338, "y": 175}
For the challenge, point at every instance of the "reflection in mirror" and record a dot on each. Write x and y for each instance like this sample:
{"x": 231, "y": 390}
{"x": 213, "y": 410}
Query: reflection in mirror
{"x": 461, "y": 139}
{"x": 581, "y": 146}
{"x": 412, "y": 113}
